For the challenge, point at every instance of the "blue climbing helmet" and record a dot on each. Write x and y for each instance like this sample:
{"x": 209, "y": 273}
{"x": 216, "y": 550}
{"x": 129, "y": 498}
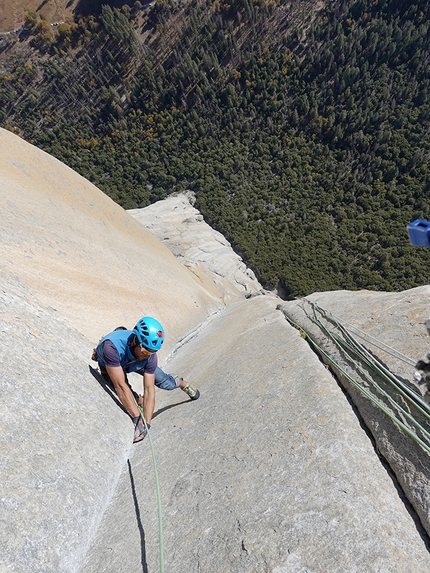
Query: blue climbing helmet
{"x": 150, "y": 333}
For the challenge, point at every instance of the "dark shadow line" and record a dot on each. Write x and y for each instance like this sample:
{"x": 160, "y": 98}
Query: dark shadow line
{"x": 108, "y": 388}
{"x": 139, "y": 522}
{"x": 42, "y": 5}
{"x": 161, "y": 410}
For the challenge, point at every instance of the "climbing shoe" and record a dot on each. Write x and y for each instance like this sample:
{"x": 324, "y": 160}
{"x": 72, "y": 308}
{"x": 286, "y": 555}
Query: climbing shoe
{"x": 139, "y": 429}
{"x": 193, "y": 394}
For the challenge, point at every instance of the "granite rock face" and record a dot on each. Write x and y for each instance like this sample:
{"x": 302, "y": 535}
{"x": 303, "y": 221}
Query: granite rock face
{"x": 391, "y": 327}
{"x": 269, "y": 471}
{"x": 207, "y": 253}
{"x": 83, "y": 255}
{"x": 74, "y": 266}
{"x": 64, "y": 441}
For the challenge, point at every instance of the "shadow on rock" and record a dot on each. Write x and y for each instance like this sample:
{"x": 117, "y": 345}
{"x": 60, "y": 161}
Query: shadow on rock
{"x": 110, "y": 390}
{"x": 161, "y": 410}
{"x": 107, "y": 387}
{"x": 139, "y": 522}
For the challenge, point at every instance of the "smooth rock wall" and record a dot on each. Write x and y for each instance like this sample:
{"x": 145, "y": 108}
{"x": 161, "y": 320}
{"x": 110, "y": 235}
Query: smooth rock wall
{"x": 74, "y": 266}
{"x": 391, "y": 326}
{"x": 269, "y": 471}
{"x": 63, "y": 440}
{"x": 86, "y": 257}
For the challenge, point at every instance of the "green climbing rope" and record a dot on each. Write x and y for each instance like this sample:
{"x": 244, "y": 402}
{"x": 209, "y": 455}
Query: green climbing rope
{"x": 358, "y": 355}
{"x": 348, "y": 343}
{"x": 158, "y": 492}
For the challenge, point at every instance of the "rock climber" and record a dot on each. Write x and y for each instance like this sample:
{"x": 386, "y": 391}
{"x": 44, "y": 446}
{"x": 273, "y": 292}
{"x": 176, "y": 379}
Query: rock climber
{"x": 123, "y": 351}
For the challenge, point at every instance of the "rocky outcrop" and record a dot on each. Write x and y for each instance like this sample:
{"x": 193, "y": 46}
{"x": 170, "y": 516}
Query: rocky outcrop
{"x": 390, "y": 326}
{"x": 270, "y": 470}
{"x": 83, "y": 255}
{"x": 204, "y": 251}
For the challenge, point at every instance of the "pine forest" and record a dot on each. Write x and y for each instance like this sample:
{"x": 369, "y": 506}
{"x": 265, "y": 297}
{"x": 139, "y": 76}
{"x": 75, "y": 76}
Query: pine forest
{"x": 301, "y": 126}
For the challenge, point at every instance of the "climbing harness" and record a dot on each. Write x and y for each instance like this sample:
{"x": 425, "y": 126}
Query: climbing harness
{"x": 360, "y": 357}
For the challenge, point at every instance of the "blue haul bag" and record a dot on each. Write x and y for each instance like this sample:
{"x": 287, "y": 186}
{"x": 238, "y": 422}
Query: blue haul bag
{"x": 419, "y": 233}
